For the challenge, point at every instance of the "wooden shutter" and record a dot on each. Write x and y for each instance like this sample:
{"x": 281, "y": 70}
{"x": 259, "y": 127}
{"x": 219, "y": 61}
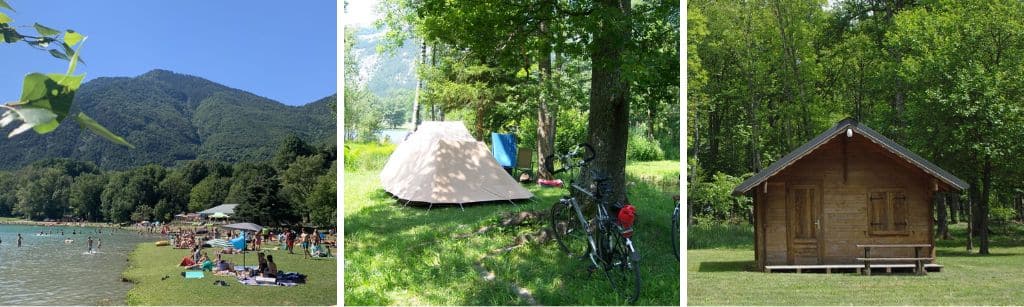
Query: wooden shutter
{"x": 899, "y": 211}
{"x": 877, "y": 204}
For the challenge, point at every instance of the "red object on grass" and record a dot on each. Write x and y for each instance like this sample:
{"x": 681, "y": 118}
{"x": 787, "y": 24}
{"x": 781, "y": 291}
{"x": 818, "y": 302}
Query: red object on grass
{"x": 550, "y": 183}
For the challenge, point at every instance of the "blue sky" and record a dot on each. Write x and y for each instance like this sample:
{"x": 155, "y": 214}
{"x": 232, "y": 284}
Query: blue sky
{"x": 283, "y": 50}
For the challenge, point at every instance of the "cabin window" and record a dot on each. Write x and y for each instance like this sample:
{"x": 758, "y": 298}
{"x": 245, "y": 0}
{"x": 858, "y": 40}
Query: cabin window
{"x": 887, "y": 210}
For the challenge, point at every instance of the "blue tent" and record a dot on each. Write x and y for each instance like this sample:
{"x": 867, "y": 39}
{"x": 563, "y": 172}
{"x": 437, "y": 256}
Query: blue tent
{"x": 503, "y": 147}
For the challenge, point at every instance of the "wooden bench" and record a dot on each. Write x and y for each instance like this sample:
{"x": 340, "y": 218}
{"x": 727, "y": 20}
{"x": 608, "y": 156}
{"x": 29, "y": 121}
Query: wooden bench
{"x": 917, "y": 259}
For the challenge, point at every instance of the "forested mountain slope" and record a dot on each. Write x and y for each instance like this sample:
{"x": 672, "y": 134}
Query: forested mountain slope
{"x": 172, "y": 117}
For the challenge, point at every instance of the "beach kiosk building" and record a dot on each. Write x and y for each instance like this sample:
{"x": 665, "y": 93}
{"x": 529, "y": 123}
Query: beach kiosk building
{"x": 847, "y": 197}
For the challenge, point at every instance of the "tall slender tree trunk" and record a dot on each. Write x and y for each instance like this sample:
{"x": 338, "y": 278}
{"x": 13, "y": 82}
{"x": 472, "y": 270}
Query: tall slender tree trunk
{"x": 940, "y": 202}
{"x": 547, "y": 111}
{"x": 755, "y": 153}
{"x": 953, "y": 207}
{"x": 608, "y": 120}
{"x": 416, "y": 120}
{"x": 986, "y": 190}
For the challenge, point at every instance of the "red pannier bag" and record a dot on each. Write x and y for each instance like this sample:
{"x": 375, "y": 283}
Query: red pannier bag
{"x": 626, "y": 216}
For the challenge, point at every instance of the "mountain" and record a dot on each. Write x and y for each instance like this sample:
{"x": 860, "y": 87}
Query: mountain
{"x": 384, "y": 73}
{"x": 173, "y": 117}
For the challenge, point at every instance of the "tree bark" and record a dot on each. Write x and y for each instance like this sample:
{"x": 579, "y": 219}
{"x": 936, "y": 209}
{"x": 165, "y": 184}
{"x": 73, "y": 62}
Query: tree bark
{"x": 547, "y": 112}
{"x": 940, "y": 201}
{"x": 954, "y": 207}
{"x": 971, "y": 217}
{"x": 416, "y": 120}
{"x": 608, "y": 126}
{"x": 986, "y": 189}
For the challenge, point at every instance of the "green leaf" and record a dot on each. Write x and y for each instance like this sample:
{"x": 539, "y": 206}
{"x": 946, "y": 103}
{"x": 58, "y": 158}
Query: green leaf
{"x": 57, "y": 54}
{"x": 86, "y": 122}
{"x": 42, "y": 120}
{"x": 69, "y": 51}
{"x": 35, "y": 87}
{"x": 70, "y": 81}
{"x": 74, "y": 59}
{"x": 44, "y": 30}
{"x": 4, "y": 18}
{"x": 10, "y": 36}
{"x": 4, "y": 4}
{"x": 72, "y": 38}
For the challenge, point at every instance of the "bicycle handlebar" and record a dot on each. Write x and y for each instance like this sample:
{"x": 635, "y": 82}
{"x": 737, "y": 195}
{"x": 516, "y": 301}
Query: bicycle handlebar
{"x": 567, "y": 163}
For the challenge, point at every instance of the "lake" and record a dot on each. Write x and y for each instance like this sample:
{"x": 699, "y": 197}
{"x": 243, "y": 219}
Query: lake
{"x": 46, "y": 271}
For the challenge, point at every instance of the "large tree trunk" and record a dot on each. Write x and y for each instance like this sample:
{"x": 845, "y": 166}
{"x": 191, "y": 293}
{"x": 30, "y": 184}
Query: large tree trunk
{"x": 547, "y": 112}
{"x": 608, "y": 125}
{"x": 986, "y": 189}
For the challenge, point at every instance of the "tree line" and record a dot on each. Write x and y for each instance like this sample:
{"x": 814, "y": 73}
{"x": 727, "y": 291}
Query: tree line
{"x": 943, "y": 78}
{"x": 297, "y": 186}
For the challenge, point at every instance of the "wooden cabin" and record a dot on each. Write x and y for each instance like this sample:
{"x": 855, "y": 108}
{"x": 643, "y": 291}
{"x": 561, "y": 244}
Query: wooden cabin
{"x": 848, "y": 186}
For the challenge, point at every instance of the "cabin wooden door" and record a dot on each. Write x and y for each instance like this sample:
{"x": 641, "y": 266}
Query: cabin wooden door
{"x": 803, "y": 213}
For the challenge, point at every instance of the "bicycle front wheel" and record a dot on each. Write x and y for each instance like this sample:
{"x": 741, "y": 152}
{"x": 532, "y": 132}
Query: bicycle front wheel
{"x": 567, "y": 229}
{"x": 621, "y": 264}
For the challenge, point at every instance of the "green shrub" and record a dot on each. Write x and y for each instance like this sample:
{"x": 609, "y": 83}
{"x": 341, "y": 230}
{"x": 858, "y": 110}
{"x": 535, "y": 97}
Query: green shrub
{"x": 1002, "y": 214}
{"x": 640, "y": 148}
{"x": 367, "y": 156}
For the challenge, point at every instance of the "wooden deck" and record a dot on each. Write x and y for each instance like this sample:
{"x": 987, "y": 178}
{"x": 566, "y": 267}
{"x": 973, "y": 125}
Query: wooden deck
{"x": 850, "y": 268}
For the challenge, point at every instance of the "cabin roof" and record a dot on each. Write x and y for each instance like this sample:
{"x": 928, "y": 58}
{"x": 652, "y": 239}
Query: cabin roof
{"x": 871, "y": 135}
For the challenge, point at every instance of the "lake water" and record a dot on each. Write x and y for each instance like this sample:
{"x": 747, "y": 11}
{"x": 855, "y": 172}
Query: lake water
{"x": 46, "y": 271}
{"x": 395, "y": 136}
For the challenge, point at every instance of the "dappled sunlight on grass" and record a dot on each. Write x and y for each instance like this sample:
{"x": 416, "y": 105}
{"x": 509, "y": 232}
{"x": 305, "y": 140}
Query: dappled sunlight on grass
{"x": 414, "y": 256}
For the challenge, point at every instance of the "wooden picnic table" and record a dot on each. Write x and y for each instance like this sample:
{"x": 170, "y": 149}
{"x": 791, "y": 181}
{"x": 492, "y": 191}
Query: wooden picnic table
{"x": 917, "y": 259}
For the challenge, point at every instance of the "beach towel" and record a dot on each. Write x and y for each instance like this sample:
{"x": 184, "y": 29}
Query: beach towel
{"x": 193, "y": 274}
{"x": 504, "y": 149}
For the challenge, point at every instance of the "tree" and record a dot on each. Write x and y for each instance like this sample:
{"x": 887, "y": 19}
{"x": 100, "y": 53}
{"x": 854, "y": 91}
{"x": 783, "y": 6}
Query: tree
{"x": 291, "y": 147}
{"x": 322, "y": 203}
{"x": 962, "y": 61}
{"x": 256, "y": 189}
{"x": 209, "y": 192}
{"x": 298, "y": 181}
{"x": 85, "y": 197}
{"x": 43, "y": 194}
{"x": 174, "y": 193}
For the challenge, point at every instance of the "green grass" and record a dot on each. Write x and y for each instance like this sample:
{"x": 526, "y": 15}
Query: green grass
{"x": 719, "y": 275}
{"x": 662, "y": 174}
{"x": 150, "y": 263}
{"x": 396, "y": 255}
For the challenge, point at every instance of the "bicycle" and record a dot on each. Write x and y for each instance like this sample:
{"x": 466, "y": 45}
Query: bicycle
{"x": 604, "y": 239}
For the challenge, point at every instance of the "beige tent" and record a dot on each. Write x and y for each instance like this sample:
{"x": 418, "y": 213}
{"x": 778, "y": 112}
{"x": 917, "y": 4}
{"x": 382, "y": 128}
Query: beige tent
{"x": 441, "y": 163}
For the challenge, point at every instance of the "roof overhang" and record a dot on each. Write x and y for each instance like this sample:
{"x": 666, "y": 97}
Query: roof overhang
{"x": 854, "y": 127}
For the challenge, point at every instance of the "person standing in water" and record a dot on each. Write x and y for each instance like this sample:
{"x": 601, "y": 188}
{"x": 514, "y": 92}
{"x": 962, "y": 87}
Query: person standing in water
{"x": 19, "y": 240}
{"x": 90, "y": 244}
{"x": 99, "y": 243}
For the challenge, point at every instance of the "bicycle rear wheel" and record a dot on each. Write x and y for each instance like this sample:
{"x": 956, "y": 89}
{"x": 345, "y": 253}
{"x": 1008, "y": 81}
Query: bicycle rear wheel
{"x": 568, "y": 230}
{"x": 621, "y": 263}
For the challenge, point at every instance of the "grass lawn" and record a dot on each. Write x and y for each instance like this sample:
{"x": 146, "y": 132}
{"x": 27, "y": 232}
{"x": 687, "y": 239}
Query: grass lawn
{"x": 396, "y": 255}
{"x": 720, "y": 275}
{"x": 150, "y": 263}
